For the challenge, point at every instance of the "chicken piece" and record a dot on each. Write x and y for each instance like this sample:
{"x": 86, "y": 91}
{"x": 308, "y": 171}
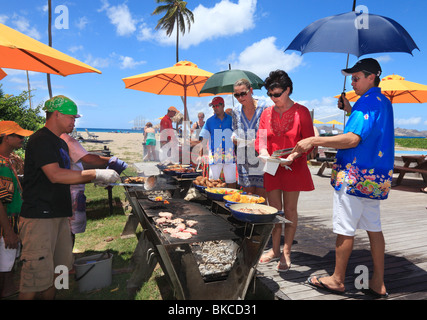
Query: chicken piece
{"x": 177, "y": 221}
{"x": 182, "y": 235}
{"x": 166, "y": 215}
{"x": 191, "y": 223}
{"x": 190, "y": 230}
{"x": 180, "y": 227}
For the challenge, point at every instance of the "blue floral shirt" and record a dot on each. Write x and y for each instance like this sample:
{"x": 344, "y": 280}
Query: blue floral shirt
{"x": 368, "y": 168}
{"x": 218, "y": 132}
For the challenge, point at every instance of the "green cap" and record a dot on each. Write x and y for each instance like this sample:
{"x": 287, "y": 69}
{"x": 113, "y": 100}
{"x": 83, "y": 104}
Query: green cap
{"x": 61, "y": 104}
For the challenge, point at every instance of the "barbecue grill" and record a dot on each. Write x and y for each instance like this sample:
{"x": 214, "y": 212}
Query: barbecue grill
{"x": 218, "y": 262}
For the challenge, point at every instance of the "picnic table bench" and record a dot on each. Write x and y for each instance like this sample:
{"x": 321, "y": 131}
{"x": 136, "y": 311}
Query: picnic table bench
{"x": 420, "y": 167}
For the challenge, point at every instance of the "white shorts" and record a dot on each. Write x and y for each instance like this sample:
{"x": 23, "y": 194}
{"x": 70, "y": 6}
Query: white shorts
{"x": 229, "y": 169}
{"x": 351, "y": 213}
{"x": 7, "y": 257}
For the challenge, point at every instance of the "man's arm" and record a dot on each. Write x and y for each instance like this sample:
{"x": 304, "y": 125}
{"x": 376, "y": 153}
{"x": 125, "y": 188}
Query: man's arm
{"x": 341, "y": 141}
{"x": 95, "y": 160}
{"x": 56, "y": 174}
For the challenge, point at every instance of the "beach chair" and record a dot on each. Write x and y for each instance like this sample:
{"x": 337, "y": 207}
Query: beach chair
{"x": 76, "y": 135}
{"x": 91, "y": 135}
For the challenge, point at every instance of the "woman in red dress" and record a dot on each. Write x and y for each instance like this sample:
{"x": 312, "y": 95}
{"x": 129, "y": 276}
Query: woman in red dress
{"x": 282, "y": 126}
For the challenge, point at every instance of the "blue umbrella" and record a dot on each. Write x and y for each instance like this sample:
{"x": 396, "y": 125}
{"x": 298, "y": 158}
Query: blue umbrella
{"x": 354, "y": 33}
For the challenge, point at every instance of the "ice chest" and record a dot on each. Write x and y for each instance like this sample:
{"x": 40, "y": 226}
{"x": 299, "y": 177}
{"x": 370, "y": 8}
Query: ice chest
{"x": 94, "y": 272}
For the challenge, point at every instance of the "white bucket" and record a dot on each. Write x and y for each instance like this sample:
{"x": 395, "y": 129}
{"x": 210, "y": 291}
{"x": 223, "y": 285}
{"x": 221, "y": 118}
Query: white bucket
{"x": 94, "y": 272}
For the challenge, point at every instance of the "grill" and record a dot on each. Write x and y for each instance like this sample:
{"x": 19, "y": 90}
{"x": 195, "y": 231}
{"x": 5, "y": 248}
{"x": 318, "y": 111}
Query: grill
{"x": 216, "y": 263}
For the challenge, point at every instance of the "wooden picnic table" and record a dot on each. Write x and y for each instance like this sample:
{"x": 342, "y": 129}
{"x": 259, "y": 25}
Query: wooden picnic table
{"x": 327, "y": 161}
{"x": 420, "y": 167}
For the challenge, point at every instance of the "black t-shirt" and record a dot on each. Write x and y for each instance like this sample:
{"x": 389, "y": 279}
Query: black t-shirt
{"x": 42, "y": 198}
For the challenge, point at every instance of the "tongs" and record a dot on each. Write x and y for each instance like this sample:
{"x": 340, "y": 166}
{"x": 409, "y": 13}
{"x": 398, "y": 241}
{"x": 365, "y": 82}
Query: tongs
{"x": 282, "y": 152}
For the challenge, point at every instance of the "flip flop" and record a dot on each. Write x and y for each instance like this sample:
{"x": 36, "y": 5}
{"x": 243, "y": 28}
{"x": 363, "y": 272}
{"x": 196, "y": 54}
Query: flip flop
{"x": 322, "y": 286}
{"x": 280, "y": 264}
{"x": 374, "y": 294}
{"x": 268, "y": 260}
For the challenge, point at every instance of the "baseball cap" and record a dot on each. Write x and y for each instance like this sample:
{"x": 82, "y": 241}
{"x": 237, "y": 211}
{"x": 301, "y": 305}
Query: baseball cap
{"x": 61, "y": 104}
{"x": 216, "y": 100}
{"x": 368, "y": 64}
{"x": 11, "y": 127}
{"x": 173, "y": 109}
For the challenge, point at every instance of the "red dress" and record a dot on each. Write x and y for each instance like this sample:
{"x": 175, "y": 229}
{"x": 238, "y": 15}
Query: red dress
{"x": 284, "y": 131}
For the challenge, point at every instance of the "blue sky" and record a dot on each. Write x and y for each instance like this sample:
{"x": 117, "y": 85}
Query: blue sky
{"x": 118, "y": 38}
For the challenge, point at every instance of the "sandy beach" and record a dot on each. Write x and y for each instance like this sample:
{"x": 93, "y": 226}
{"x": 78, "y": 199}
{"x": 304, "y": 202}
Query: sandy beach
{"x": 125, "y": 146}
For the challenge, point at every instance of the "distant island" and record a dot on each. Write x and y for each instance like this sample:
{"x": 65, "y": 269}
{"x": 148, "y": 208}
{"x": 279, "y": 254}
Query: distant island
{"x": 398, "y": 132}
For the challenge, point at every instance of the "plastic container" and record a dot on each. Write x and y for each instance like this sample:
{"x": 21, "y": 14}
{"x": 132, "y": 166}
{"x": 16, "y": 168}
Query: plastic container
{"x": 94, "y": 272}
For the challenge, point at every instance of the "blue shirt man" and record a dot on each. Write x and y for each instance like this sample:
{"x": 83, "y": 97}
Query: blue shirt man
{"x": 217, "y": 130}
{"x": 368, "y": 168}
{"x": 361, "y": 176}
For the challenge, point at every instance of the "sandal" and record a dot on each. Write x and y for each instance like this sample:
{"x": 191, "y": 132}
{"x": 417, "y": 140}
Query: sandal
{"x": 268, "y": 258}
{"x": 280, "y": 266}
{"x": 423, "y": 190}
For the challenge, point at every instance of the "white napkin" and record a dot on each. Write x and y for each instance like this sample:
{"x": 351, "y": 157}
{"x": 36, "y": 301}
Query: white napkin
{"x": 272, "y": 164}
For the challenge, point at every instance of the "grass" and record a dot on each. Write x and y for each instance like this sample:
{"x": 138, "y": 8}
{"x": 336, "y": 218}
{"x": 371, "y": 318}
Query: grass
{"x": 417, "y": 143}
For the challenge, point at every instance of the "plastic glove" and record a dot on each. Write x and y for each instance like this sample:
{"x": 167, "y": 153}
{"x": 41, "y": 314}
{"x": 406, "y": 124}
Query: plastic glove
{"x": 106, "y": 176}
{"x": 117, "y": 164}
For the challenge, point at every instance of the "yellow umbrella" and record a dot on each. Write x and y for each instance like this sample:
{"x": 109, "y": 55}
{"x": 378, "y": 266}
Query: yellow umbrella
{"x": 315, "y": 121}
{"x": 183, "y": 79}
{"x": 398, "y": 90}
{"x": 18, "y": 51}
{"x": 334, "y": 122}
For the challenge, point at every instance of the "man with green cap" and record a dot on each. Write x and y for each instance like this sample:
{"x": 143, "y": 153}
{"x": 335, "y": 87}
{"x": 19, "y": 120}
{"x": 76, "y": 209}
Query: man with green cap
{"x": 44, "y": 226}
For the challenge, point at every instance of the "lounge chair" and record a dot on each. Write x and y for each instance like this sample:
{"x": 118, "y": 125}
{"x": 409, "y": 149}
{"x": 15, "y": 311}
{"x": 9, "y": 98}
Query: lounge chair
{"x": 91, "y": 135}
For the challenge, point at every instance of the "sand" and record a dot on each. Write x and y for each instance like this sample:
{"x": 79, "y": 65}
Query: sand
{"x": 126, "y": 146}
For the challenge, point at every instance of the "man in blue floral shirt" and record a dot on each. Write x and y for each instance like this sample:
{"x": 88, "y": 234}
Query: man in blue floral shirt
{"x": 361, "y": 175}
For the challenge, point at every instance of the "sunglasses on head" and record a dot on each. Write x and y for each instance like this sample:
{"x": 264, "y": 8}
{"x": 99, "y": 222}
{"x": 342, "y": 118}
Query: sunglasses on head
{"x": 275, "y": 95}
{"x": 241, "y": 94}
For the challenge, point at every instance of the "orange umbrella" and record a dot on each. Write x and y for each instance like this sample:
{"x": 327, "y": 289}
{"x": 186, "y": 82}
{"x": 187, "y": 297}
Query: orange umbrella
{"x": 18, "y": 51}
{"x": 2, "y": 74}
{"x": 398, "y": 90}
{"x": 184, "y": 79}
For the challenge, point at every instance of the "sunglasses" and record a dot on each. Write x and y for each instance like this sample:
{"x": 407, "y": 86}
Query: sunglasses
{"x": 217, "y": 105}
{"x": 275, "y": 95}
{"x": 355, "y": 79}
{"x": 241, "y": 94}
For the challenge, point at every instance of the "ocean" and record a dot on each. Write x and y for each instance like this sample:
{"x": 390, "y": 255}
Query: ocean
{"x": 109, "y": 130}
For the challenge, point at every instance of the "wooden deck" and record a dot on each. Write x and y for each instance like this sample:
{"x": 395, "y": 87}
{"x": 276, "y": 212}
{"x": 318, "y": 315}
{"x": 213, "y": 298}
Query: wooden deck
{"x": 404, "y": 222}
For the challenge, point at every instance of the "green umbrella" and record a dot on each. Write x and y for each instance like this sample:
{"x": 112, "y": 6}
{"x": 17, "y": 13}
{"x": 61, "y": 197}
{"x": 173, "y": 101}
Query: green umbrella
{"x": 222, "y": 82}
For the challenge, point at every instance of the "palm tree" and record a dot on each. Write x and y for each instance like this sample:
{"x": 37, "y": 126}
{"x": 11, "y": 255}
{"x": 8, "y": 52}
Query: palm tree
{"x": 49, "y": 3}
{"x": 176, "y": 13}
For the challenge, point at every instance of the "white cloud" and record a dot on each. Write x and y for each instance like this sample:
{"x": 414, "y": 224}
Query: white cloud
{"x": 224, "y": 19}
{"x": 262, "y": 57}
{"x": 82, "y": 22}
{"x": 407, "y": 121}
{"x": 121, "y": 17}
{"x": 23, "y": 25}
{"x": 97, "y": 62}
{"x": 74, "y": 49}
{"x": 129, "y": 62}
{"x": 325, "y": 109}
